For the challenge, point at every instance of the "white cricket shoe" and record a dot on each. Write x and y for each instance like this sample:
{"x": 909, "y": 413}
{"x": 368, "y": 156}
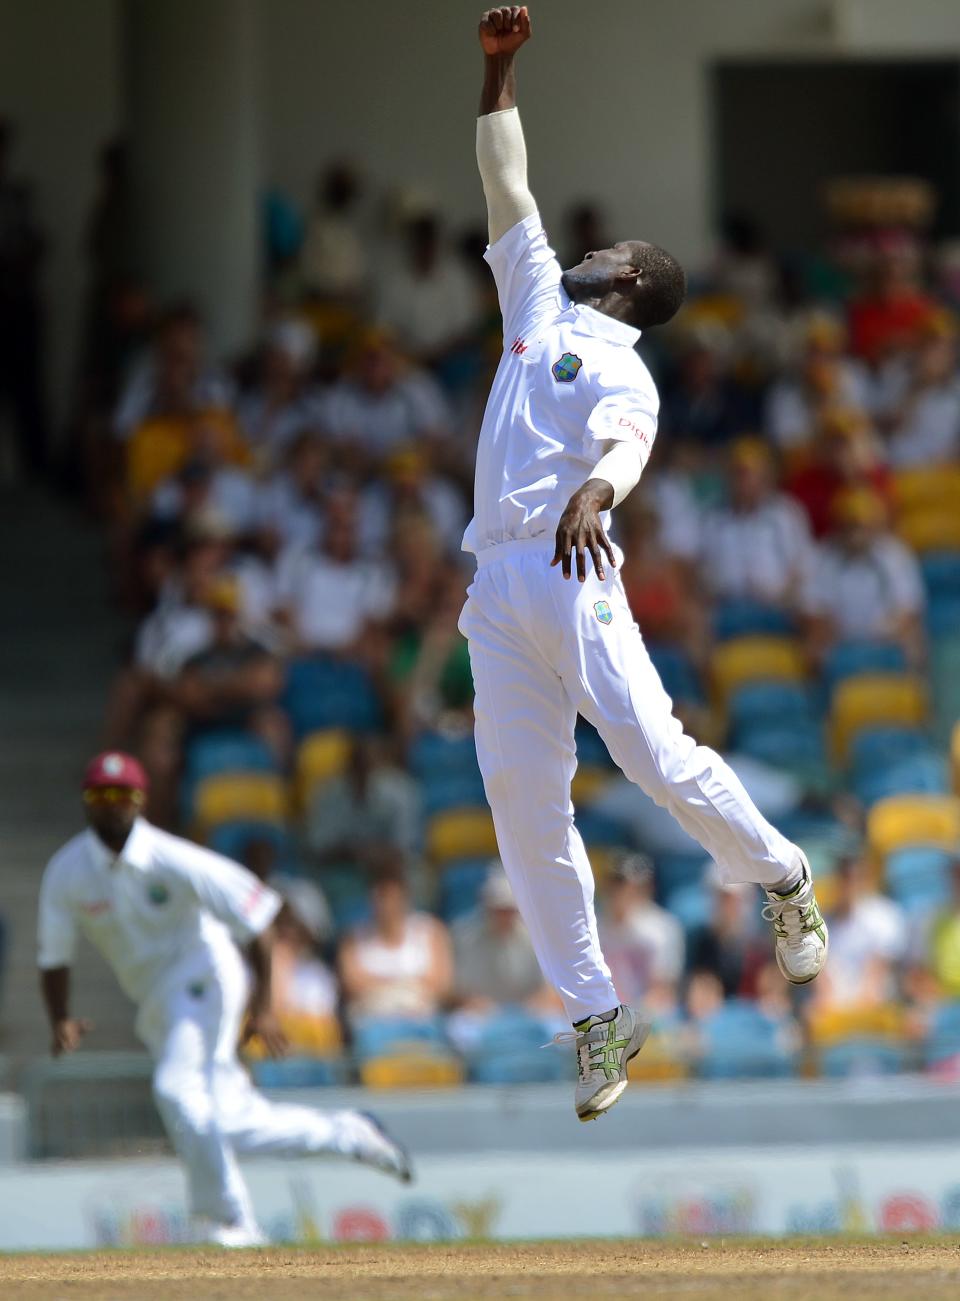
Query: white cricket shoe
{"x": 230, "y": 1235}
{"x": 801, "y": 932}
{"x": 603, "y": 1050}
{"x": 365, "y": 1139}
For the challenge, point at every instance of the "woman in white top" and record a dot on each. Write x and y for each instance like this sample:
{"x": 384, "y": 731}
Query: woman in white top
{"x": 401, "y": 963}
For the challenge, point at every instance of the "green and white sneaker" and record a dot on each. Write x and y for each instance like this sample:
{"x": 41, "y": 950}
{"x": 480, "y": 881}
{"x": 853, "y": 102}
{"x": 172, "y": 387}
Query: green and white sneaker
{"x": 603, "y": 1050}
{"x": 801, "y": 932}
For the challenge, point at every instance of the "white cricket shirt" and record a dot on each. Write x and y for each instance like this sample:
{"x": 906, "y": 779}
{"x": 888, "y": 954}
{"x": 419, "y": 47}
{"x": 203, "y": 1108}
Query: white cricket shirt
{"x": 569, "y": 383}
{"x": 160, "y": 903}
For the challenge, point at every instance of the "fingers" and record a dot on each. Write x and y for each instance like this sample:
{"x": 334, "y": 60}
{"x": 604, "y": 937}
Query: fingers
{"x": 596, "y": 557}
{"x": 561, "y": 555}
{"x": 608, "y": 548}
{"x": 524, "y": 21}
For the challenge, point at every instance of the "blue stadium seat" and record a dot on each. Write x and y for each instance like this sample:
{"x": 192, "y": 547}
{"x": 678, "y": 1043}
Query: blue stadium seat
{"x": 460, "y": 884}
{"x": 923, "y": 773}
{"x": 675, "y": 871}
{"x": 749, "y": 618}
{"x": 511, "y": 1051}
{"x": 864, "y": 1056}
{"x": 692, "y": 905}
{"x": 375, "y": 1036}
{"x": 918, "y": 878}
{"x": 874, "y": 748}
{"x": 766, "y": 704}
{"x": 739, "y": 1042}
{"x": 677, "y": 673}
{"x": 300, "y": 1072}
{"x": 600, "y": 831}
{"x": 795, "y": 745}
{"x": 232, "y": 838}
{"x": 941, "y": 573}
{"x": 451, "y": 790}
{"x": 591, "y": 750}
{"x": 224, "y": 750}
{"x": 433, "y": 754}
{"x": 943, "y": 1037}
{"x": 325, "y": 692}
{"x": 943, "y": 615}
{"x": 848, "y": 658}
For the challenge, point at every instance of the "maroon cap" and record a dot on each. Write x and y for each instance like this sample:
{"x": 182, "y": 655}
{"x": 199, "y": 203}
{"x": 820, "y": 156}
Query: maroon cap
{"x": 114, "y": 768}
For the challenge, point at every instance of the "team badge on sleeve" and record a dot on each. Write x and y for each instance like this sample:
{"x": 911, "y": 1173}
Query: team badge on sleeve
{"x": 566, "y": 370}
{"x": 603, "y": 611}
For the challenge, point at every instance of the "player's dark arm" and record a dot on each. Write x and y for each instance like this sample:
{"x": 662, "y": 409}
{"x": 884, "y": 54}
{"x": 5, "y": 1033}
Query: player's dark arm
{"x": 580, "y": 529}
{"x": 260, "y": 1017}
{"x": 501, "y": 152}
{"x": 66, "y": 1031}
{"x": 502, "y": 32}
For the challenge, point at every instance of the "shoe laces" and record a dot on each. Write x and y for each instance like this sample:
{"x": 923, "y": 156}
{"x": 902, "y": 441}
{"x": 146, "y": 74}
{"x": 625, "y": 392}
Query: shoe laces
{"x": 790, "y": 918}
{"x": 583, "y": 1040}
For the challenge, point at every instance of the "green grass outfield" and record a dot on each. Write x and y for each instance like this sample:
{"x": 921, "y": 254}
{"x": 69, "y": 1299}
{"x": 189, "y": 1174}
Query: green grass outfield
{"x": 802, "y": 1269}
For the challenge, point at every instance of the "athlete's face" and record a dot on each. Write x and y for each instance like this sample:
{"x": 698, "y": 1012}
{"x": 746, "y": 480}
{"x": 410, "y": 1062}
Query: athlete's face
{"x": 112, "y": 811}
{"x": 609, "y": 270}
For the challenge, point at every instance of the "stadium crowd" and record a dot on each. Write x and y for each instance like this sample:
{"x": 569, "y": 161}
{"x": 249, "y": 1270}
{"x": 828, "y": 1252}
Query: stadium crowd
{"x": 284, "y": 530}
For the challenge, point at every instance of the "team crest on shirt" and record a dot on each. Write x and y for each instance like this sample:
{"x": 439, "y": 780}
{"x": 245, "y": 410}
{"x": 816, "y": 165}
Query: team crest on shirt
{"x": 603, "y": 612}
{"x": 158, "y": 894}
{"x": 566, "y": 370}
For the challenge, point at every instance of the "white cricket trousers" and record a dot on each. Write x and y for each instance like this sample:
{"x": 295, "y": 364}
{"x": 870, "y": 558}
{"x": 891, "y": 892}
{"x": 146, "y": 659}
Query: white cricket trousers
{"x": 543, "y": 649}
{"x": 208, "y": 1105}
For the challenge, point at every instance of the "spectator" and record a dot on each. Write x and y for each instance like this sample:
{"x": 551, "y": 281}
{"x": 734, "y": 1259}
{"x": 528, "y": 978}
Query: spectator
{"x": 333, "y": 258}
{"x": 892, "y": 305}
{"x": 824, "y": 379}
{"x": 202, "y": 486}
{"x": 330, "y": 595}
{"x": 371, "y": 806}
{"x": 728, "y": 947}
{"x": 429, "y": 665}
{"x": 235, "y": 681}
{"x": 401, "y": 964}
{"x": 864, "y": 584}
{"x": 643, "y": 943}
{"x": 659, "y": 586}
{"x": 428, "y": 300}
{"x": 408, "y": 487}
{"x": 495, "y": 965}
{"x": 846, "y": 455}
{"x": 288, "y": 509}
{"x": 758, "y": 546}
{"x": 868, "y": 942}
{"x": 281, "y": 405}
{"x": 943, "y": 946}
{"x": 705, "y": 405}
{"x": 922, "y": 394}
{"x": 380, "y": 404}
{"x": 305, "y": 994}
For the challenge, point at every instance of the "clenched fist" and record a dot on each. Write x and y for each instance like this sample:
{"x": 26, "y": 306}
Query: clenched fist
{"x": 504, "y": 30}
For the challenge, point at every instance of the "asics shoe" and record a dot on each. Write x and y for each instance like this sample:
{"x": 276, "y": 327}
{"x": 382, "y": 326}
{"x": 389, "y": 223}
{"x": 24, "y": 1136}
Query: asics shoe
{"x": 603, "y": 1050}
{"x": 801, "y": 933}
{"x": 366, "y": 1140}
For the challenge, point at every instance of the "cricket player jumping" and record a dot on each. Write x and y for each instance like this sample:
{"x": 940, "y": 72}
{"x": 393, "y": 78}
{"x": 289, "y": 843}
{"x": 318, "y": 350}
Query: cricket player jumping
{"x": 168, "y": 917}
{"x": 567, "y": 430}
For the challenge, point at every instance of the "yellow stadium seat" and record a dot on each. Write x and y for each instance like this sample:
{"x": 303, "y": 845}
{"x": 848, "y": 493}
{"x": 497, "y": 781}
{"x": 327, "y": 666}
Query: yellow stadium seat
{"x": 588, "y": 781}
{"x": 908, "y": 821}
{"x": 412, "y": 1069}
{"x": 659, "y": 1061}
{"x": 931, "y": 529}
{"x": 321, "y": 755}
{"x": 240, "y": 796}
{"x": 874, "y": 700}
{"x": 309, "y": 1036}
{"x": 755, "y": 659}
{"x": 935, "y": 488}
{"x": 461, "y": 833}
{"x": 830, "y": 1025}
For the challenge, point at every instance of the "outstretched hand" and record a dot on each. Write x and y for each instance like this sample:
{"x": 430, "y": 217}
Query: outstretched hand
{"x": 581, "y": 530}
{"x": 67, "y": 1034}
{"x": 504, "y": 30}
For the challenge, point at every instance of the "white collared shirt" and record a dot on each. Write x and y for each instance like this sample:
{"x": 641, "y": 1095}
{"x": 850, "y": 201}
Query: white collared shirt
{"x": 568, "y": 385}
{"x": 160, "y": 902}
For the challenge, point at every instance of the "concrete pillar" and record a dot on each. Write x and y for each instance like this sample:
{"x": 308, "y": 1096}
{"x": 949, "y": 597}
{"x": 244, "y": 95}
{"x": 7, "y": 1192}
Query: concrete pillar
{"x": 193, "y": 114}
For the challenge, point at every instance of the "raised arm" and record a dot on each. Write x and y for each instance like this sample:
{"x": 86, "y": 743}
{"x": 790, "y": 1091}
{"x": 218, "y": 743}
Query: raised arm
{"x": 501, "y": 151}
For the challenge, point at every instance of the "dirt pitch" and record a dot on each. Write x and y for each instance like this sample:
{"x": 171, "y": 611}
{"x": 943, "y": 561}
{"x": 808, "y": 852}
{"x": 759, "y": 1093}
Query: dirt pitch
{"x": 815, "y": 1269}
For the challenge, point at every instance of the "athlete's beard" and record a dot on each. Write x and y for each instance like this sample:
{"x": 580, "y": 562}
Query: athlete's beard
{"x": 583, "y": 282}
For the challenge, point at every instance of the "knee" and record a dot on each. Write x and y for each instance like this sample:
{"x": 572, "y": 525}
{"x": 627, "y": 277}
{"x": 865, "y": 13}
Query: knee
{"x": 181, "y": 1102}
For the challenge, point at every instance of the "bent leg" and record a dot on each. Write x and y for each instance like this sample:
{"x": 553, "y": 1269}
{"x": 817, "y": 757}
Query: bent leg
{"x": 525, "y": 747}
{"x": 610, "y": 677}
{"x": 184, "y": 1092}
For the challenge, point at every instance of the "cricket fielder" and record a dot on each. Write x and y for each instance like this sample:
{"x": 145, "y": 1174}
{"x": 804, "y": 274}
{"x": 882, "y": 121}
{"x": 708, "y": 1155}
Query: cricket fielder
{"x": 170, "y": 919}
{"x": 567, "y": 430}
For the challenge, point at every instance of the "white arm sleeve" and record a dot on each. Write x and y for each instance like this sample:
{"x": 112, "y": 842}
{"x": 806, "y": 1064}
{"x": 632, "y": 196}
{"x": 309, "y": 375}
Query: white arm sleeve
{"x": 502, "y": 159}
{"x": 621, "y": 467}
